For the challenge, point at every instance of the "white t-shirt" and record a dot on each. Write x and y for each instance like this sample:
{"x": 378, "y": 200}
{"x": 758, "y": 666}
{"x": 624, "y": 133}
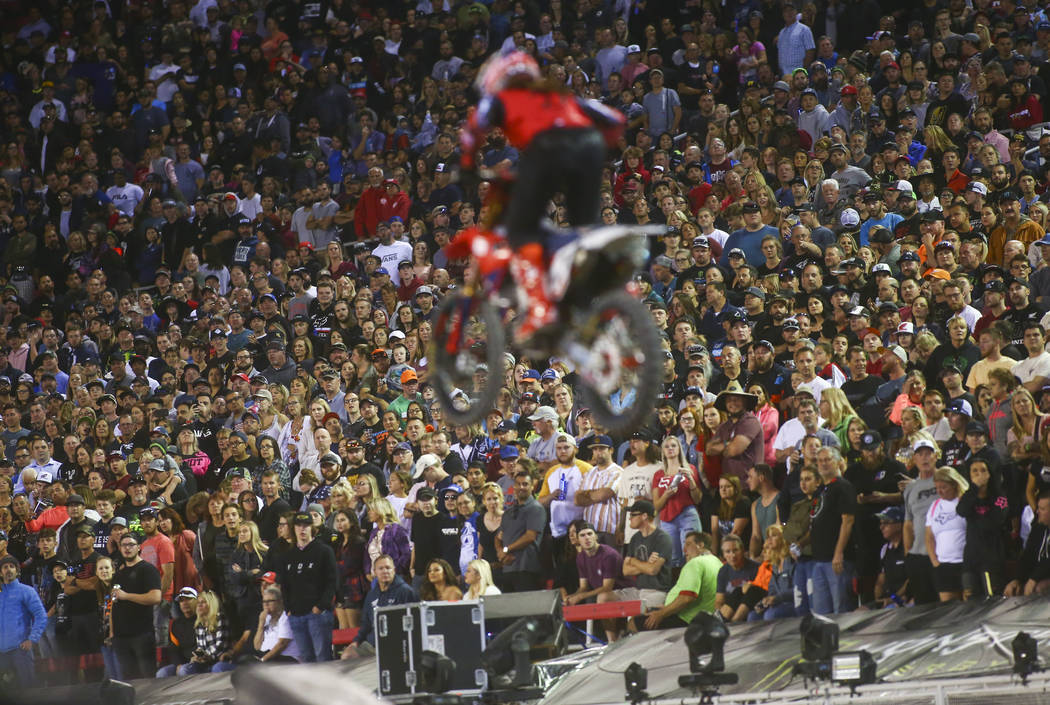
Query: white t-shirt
{"x": 1028, "y": 369}
{"x": 949, "y": 530}
{"x": 564, "y": 511}
{"x": 282, "y": 630}
{"x": 635, "y": 481}
{"x": 125, "y": 197}
{"x": 392, "y": 254}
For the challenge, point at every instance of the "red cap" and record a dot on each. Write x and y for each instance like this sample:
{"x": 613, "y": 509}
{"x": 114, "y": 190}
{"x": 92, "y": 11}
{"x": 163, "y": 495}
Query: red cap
{"x": 849, "y": 90}
{"x": 269, "y": 577}
{"x": 241, "y": 375}
{"x": 306, "y": 245}
{"x": 894, "y": 65}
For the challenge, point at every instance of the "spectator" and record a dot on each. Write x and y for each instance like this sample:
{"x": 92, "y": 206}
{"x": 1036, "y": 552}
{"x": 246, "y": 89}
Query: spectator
{"x": 776, "y": 574}
{"x": 308, "y": 580}
{"x": 600, "y": 568}
{"x": 946, "y": 534}
{"x": 273, "y": 641}
{"x": 919, "y": 495}
{"x": 676, "y": 491}
{"x": 646, "y": 558}
{"x": 182, "y": 642}
{"x": 736, "y": 593}
{"x": 212, "y": 634}
{"x": 985, "y": 509}
{"x": 388, "y": 589}
{"x": 136, "y": 592}
{"x": 439, "y": 583}
{"x": 24, "y": 615}
{"x": 831, "y": 530}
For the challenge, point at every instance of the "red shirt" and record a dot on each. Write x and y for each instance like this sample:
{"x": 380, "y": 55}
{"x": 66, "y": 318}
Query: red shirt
{"x": 680, "y": 496}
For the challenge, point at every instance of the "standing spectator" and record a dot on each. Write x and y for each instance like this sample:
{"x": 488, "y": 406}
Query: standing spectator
{"x": 919, "y": 494}
{"x": 1033, "y": 570}
{"x": 23, "y": 616}
{"x": 831, "y": 532}
{"x": 985, "y": 508}
{"x": 795, "y": 46}
{"x": 159, "y": 551}
{"x": 676, "y": 492}
{"x": 946, "y": 534}
{"x": 662, "y": 106}
{"x": 308, "y": 577}
{"x": 518, "y": 544}
{"x": 136, "y": 591}
{"x": 740, "y": 439}
{"x": 599, "y": 489}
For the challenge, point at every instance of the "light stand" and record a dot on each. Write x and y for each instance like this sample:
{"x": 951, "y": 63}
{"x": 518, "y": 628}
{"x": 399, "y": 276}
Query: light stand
{"x": 635, "y": 681}
{"x": 706, "y": 635}
{"x": 1026, "y": 655}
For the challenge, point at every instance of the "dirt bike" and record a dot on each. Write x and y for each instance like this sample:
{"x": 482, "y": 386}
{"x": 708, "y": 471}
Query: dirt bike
{"x": 603, "y": 331}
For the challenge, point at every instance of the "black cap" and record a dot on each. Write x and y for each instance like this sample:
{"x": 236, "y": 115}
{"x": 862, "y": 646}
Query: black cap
{"x": 870, "y": 440}
{"x": 302, "y": 519}
{"x": 643, "y": 506}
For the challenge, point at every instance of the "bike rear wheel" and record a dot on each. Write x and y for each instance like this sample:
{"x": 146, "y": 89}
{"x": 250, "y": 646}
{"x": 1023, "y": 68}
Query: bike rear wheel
{"x": 625, "y": 359}
{"x": 466, "y": 350}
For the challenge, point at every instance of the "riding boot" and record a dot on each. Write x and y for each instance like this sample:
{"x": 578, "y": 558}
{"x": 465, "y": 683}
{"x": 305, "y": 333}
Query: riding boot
{"x": 528, "y": 267}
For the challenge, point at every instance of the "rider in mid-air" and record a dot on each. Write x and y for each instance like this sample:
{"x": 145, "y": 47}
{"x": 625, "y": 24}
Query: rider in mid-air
{"x": 562, "y": 142}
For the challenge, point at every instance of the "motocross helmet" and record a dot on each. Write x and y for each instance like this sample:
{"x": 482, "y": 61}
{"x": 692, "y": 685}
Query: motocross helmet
{"x": 497, "y": 72}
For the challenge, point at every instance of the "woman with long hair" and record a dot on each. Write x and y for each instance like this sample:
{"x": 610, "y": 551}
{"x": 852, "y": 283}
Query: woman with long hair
{"x": 104, "y": 571}
{"x": 986, "y": 510}
{"x": 249, "y": 504}
{"x": 284, "y": 542}
{"x": 837, "y": 413}
{"x": 712, "y": 464}
{"x": 349, "y": 546}
{"x": 946, "y": 533}
{"x": 186, "y": 572}
{"x": 478, "y": 579}
{"x": 1022, "y": 440}
{"x": 676, "y": 491}
{"x": 246, "y": 566}
{"x": 777, "y": 575}
{"x": 768, "y": 417}
{"x": 690, "y": 422}
{"x": 439, "y": 583}
{"x": 270, "y": 455}
{"x": 398, "y": 484}
{"x": 213, "y": 636}
{"x": 386, "y": 537}
{"x": 734, "y": 510}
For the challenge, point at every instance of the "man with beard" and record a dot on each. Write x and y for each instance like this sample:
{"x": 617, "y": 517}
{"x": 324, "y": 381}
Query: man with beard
{"x": 1015, "y": 226}
{"x": 357, "y": 465}
{"x": 771, "y": 328}
{"x": 850, "y": 178}
{"x": 765, "y": 371}
{"x": 873, "y": 214}
{"x": 740, "y": 439}
{"x": 1022, "y": 311}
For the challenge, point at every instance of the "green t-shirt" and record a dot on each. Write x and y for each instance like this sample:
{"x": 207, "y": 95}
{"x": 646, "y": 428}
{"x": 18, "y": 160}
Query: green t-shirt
{"x": 700, "y": 577}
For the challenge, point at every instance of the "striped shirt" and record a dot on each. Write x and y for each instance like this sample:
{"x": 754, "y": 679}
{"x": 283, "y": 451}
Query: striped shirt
{"x": 605, "y": 516}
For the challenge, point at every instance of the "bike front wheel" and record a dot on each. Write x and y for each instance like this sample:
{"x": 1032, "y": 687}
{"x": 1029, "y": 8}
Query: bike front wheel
{"x": 466, "y": 349}
{"x": 623, "y": 372}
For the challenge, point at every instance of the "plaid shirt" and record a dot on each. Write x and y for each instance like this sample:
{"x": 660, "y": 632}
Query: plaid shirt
{"x": 213, "y": 644}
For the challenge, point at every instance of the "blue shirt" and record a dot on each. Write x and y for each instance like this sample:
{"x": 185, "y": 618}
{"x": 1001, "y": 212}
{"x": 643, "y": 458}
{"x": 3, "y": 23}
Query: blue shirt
{"x": 888, "y": 221}
{"x": 22, "y": 616}
{"x": 748, "y": 241}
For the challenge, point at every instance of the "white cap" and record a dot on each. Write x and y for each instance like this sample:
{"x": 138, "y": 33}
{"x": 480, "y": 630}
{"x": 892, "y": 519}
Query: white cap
{"x": 544, "y": 413}
{"x": 906, "y": 327}
{"x": 425, "y": 461}
{"x": 924, "y": 443}
{"x": 850, "y": 218}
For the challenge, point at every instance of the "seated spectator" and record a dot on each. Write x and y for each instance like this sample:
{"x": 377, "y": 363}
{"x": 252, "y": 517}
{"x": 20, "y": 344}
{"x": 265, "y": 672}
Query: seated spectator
{"x": 212, "y": 633}
{"x": 694, "y": 591}
{"x": 777, "y": 573}
{"x": 388, "y": 588}
{"x": 601, "y": 573}
{"x": 478, "y": 578}
{"x": 183, "y": 641}
{"x": 274, "y": 641}
{"x": 736, "y": 593}
{"x": 439, "y": 583}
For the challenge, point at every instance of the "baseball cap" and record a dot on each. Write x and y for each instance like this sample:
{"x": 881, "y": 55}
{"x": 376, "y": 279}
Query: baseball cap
{"x": 642, "y": 506}
{"x": 924, "y": 443}
{"x": 849, "y": 218}
{"x": 960, "y": 406}
{"x": 544, "y": 413}
{"x": 186, "y": 593}
{"x": 509, "y": 452}
{"x": 74, "y": 499}
{"x": 891, "y": 514}
{"x": 269, "y": 577}
{"x": 601, "y": 440}
{"x": 302, "y": 519}
{"x": 976, "y": 427}
{"x": 870, "y": 440}
{"x": 567, "y": 438}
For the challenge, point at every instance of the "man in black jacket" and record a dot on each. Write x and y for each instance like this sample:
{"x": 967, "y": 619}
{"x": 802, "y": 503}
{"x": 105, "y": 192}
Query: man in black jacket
{"x": 308, "y": 579}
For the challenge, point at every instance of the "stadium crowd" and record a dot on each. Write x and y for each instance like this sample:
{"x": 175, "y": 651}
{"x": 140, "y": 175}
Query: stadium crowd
{"x": 224, "y": 226}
